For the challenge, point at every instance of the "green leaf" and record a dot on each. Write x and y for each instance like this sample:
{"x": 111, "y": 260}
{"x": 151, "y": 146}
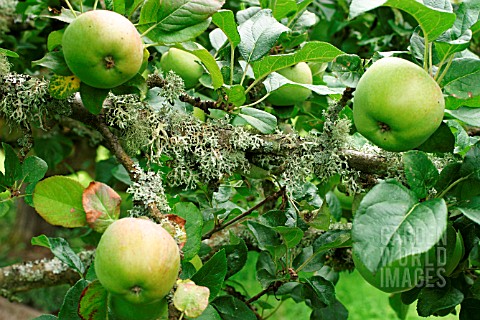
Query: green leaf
{"x": 207, "y": 59}
{"x": 401, "y": 309}
{"x": 93, "y": 98}
{"x": 69, "y": 308}
{"x": 432, "y": 21}
{"x": 193, "y": 227}
{"x": 462, "y": 77}
{"x": 53, "y": 149}
{"x": 258, "y": 35}
{"x": 261, "y": 120}
{"x": 33, "y": 169}
{"x": 231, "y": 308}
{"x": 116, "y": 5}
{"x": 452, "y": 103}
{"x": 13, "y": 168}
{"x": 280, "y": 8}
{"x": 236, "y": 95}
{"x": 433, "y": 299}
{"x": 225, "y": 20}
{"x": 463, "y": 142}
{"x": 4, "y": 207}
{"x": 470, "y": 308}
{"x": 178, "y": 20}
{"x": 275, "y": 81}
{"x": 335, "y": 311}
{"x": 291, "y": 236}
{"x": 470, "y": 116}
{"x": 471, "y": 209}
{"x": 266, "y": 269}
{"x": 54, "y": 61}
{"x": 311, "y": 51}
{"x": 421, "y": 173}
{"x": 9, "y": 53}
{"x": 471, "y": 162}
{"x": 267, "y": 237}
{"x": 212, "y": 274}
{"x": 60, "y": 249}
{"x": 209, "y": 314}
{"x": 390, "y": 224}
{"x": 441, "y": 141}
{"x": 236, "y": 253}
{"x": 323, "y": 290}
{"x": 54, "y": 39}
{"x": 94, "y": 302}
{"x": 58, "y": 200}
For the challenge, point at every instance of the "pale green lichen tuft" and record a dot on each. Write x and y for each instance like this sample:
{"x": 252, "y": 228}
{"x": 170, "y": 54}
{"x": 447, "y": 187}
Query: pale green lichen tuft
{"x": 26, "y": 101}
{"x": 148, "y": 189}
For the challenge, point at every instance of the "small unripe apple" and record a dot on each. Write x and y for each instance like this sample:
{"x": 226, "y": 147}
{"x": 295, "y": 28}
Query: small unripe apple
{"x": 397, "y": 105}
{"x": 183, "y": 63}
{"x": 102, "y": 48}
{"x": 138, "y": 260}
{"x": 288, "y": 95}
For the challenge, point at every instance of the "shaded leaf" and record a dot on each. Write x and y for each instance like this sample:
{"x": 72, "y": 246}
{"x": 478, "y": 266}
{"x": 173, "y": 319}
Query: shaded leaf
{"x": 420, "y": 172}
{"x": 231, "y": 308}
{"x": 93, "y": 98}
{"x": 193, "y": 227}
{"x": 212, "y": 274}
{"x": 33, "y": 169}
{"x": 69, "y": 308}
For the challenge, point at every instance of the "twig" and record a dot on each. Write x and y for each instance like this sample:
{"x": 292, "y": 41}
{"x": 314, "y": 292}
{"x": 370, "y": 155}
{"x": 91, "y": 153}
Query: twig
{"x": 222, "y": 226}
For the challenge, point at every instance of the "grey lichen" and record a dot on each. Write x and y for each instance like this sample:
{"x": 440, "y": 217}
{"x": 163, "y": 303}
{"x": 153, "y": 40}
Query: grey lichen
{"x": 148, "y": 189}
{"x": 25, "y": 101}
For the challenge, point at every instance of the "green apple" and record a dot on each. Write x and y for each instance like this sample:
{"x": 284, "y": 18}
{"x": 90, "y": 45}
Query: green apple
{"x": 102, "y": 48}
{"x": 124, "y": 310}
{"x": 288, "y": 94}
{"x": 138, "y": 260}
{"x": 397, "y": 105}
{"x": 183, "y": 63}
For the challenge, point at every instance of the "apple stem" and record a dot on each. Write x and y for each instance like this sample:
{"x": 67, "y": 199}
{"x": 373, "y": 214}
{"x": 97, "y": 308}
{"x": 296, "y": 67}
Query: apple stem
{"x": 95, "y": 5}
{"x": 181, "y": 316}
{"x": 71, "y": 8}
{"x": 257, "y": 102}
{"x": 426, "y": 54}
{"x": 232, "y": 62}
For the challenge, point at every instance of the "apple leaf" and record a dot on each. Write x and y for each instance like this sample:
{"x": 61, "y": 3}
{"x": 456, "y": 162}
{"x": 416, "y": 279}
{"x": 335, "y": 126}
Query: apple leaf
{"x": 236, "y": 253}
{"x": 311, "y": 51}
{"x": 13, "y": 168}
{"x": 60, "y": 249}
{"x": 207, "y": 59}
{"x": 433, "y": 21}
{"x": 62, "y": 87}
{"x": 33, "y": 169}
{"x": 280, "y": 8}
{"x": 276, "y": 80}
{"x": 421, "y": 173}
{"x": 233, "y": 309}
{"x": 45, "y": 317}
{"x": 471, "y": 209}
{"x": 225, "y": 20}
{"x": 177, "y": 20}
{"x": 433, "y": 299}
{"x": 390, "y": 224}
{"x": 69, "y": 308}
{"x": 193, "y": 227}
{"x": 93, "y": 98}
{"x": 236, "y": 95}
{"x": 212, "y": 274}
{"x": 470, "y": 116}
{"x": 9, "y": 53}
{"x": 209, "y": 314}
{"x": 190, "y": 298}
{"x": 463, "y": 142}
{"x": 58, "y": 200}
{"x": 261, "y": 120}
{"x": 258, "y": 35}
{"x": 93, "y": 302}
{"x": 462, "y": 78}
{"x": 4, "y": 207}
{"x": 54, "y": 61}
{"x": 101, "y": 204}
